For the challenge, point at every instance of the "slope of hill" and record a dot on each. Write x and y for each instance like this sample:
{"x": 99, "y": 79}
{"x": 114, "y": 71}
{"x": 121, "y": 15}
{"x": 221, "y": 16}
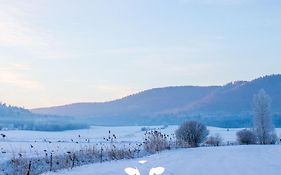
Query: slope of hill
{"x": 146, "y": 103}
{"x": 229, "y": 103}
{"x": 237, "y": 97}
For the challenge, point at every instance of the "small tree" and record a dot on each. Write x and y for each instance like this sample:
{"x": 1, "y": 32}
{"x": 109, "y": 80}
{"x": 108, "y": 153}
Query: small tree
{"x": 192, "y": 133}
{"x": 214, "y": 140}
{"x": 262, "y": 120}
{"x": 246, "y": 137}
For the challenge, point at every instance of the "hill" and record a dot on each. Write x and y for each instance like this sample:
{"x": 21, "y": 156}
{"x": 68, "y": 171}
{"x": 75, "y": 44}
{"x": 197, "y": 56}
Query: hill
{"x": 12, "y": 117}
{"x": 224, "y": 106}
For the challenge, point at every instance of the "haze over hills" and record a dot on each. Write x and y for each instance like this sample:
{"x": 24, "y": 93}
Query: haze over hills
{"x": 12, "y": 117}
{"x": 228, "y": 105}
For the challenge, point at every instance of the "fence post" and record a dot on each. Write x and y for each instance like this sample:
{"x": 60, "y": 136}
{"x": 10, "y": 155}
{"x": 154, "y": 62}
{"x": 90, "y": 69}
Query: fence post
{"x": 29, "y": 168}
{"x": 51, "y": 161}
{"x": 101, "y": 155}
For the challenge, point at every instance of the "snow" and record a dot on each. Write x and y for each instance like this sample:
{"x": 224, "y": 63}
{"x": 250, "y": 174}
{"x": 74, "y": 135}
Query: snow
{"x": 33, "y": 143}
{"x": 230, "y": 160}
{"x": 18, "y": 141}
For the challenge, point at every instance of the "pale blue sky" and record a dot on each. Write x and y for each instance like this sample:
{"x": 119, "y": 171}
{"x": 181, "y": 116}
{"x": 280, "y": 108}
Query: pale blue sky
{"x": 62, "y": 51}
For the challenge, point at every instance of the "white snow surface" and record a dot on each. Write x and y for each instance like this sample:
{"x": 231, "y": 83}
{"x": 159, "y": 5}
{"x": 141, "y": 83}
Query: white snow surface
{"x": 224, "y": 160}
{"x": 33, "y": 143}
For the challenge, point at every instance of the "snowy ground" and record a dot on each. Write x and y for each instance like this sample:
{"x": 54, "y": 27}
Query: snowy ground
{"x": 230, "y": 160}
{"x": 35, "y": 143}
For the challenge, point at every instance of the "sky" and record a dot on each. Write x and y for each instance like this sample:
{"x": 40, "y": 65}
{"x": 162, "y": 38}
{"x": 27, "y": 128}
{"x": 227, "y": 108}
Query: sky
{"x": 57, "y": 52}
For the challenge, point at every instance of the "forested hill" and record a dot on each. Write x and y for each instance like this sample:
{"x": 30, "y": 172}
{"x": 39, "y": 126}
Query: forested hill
{"x": 12, "y": 117}
{"x": 231, "y": 102}
{"x": 234, "y": 97}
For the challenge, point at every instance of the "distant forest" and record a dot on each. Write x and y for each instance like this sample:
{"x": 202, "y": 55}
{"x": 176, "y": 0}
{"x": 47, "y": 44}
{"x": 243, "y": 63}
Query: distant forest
{"x": 12, "y": 117}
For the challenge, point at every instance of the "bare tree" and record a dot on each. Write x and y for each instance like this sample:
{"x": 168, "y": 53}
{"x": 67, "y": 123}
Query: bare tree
{"x": 262, "y": 120}
{"x": 246, "y": 137}
{"x": 192, "y": 132}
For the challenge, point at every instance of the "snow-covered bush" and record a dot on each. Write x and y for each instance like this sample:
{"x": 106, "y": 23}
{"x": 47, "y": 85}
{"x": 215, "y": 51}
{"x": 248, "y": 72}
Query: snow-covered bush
{"x": 192, "y": 132}
{"x": 155, "y": 141}
{"x": 214, "y": 140}
{"x": 246, "y": 137}
{"x": 119, "y": 153}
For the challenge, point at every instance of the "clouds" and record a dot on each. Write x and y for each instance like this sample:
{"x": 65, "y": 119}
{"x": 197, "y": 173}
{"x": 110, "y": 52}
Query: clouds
{"x": 20, "y": 41}
{"x": 22, "y": 32}
{"x": 14, "y": 75}
{"x": 16, "y": 30}
{"x": 66, "y": 51}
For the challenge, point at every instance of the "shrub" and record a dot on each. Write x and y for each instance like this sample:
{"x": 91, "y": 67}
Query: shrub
{"x": 246, "y": 137}
{"x": 155, "y": 141}
{"x": 192, "y": 132}
{"x": 215, "y": 140}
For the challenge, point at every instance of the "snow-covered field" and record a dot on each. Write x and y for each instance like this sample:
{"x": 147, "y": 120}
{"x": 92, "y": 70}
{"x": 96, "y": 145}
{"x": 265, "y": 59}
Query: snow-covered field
{"x": 30, "y": 143}
{"x": 35, "y": 143}
{"x": 225, "y": 160}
